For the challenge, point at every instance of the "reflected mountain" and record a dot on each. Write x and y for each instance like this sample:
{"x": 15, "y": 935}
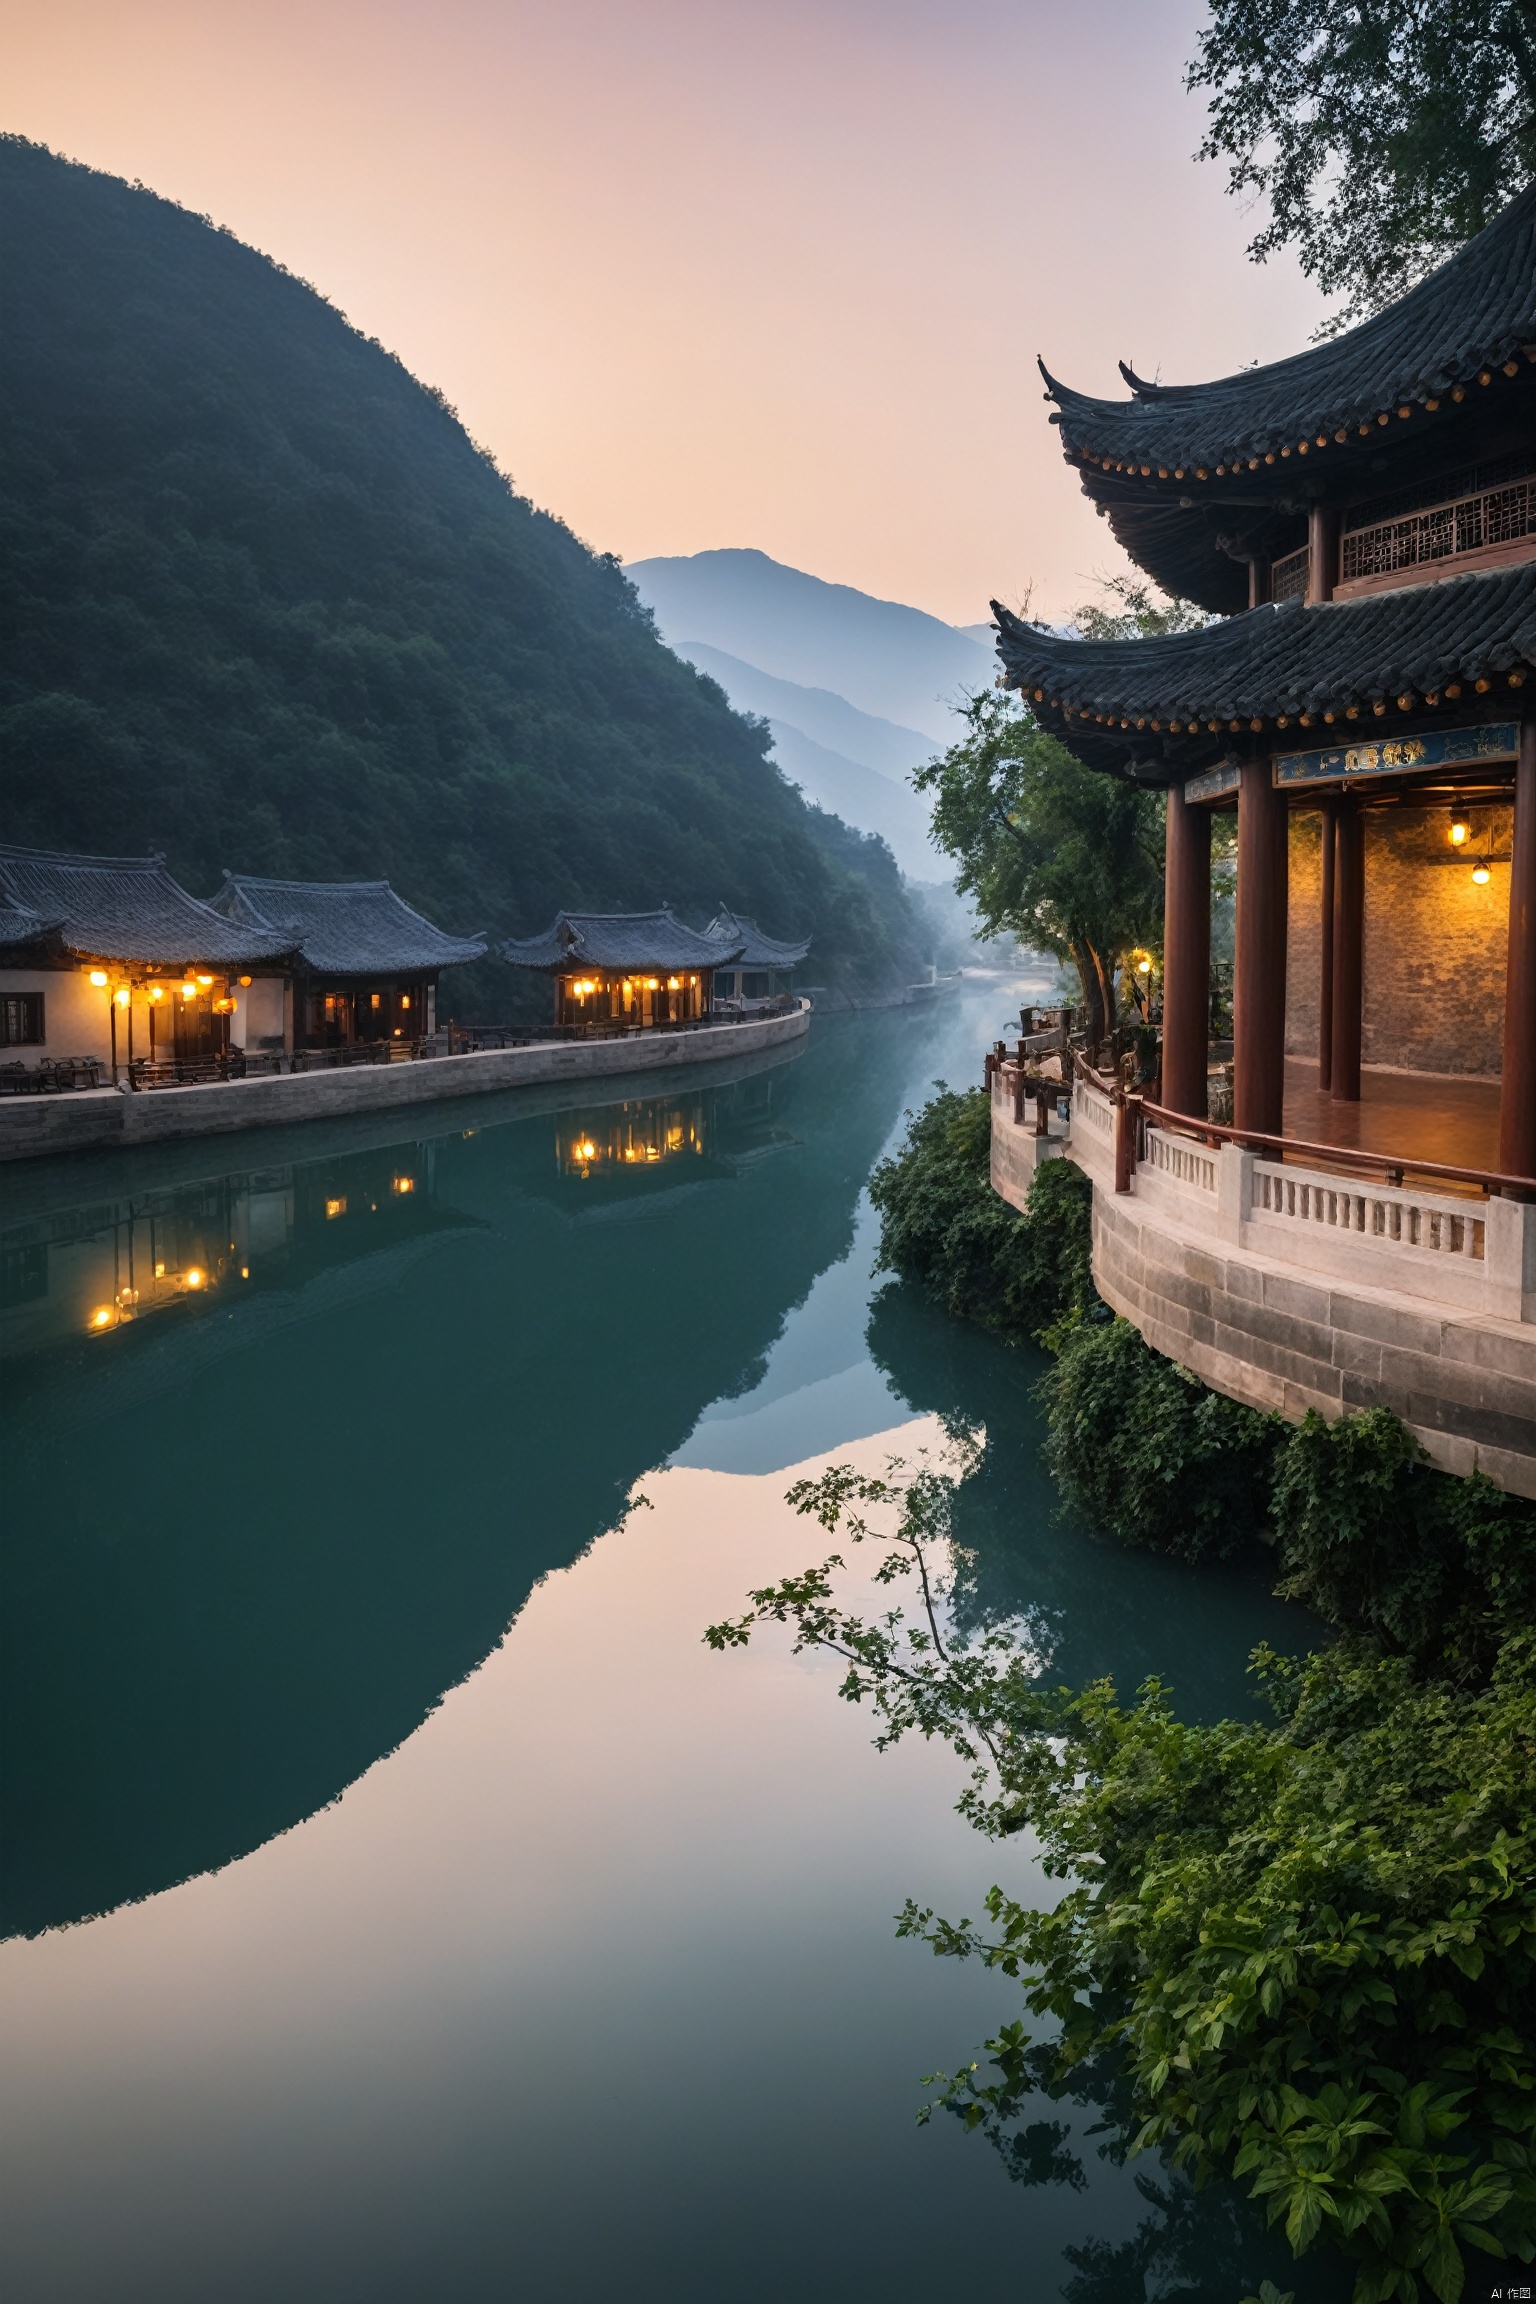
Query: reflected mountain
{"x": 287, "y": 1446}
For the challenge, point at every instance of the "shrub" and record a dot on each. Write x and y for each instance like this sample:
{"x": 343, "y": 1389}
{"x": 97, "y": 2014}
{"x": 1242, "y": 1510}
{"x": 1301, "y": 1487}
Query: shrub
{"x": 943, "y": 1226}
{"x": 1144, "y": 1449}
{"x": 1427, "y": 1566}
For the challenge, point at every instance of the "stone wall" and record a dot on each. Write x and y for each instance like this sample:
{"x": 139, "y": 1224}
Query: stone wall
{"x": 1291, "y": 1341}
{"x": 91, "y": 1119}
{"x": 1435, "y": 942}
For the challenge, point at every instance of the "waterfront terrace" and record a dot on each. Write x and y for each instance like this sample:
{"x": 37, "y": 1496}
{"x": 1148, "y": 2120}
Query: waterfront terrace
{"x": 1340, "y": 1209}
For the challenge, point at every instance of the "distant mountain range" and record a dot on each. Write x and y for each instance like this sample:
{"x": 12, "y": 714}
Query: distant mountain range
{"x": 857, "y": 690}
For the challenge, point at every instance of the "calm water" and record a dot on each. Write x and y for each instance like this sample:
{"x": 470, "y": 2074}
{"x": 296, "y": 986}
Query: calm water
{"x": 399, "y": 1901}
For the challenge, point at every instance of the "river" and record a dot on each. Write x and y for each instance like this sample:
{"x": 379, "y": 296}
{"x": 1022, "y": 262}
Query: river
{"x": 400, "y": 1902}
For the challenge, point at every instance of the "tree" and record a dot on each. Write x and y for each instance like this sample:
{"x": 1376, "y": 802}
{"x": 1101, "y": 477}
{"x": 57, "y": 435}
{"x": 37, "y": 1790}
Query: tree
{"x": 1068, "y": 860}
{"x": 1382, "y": 135}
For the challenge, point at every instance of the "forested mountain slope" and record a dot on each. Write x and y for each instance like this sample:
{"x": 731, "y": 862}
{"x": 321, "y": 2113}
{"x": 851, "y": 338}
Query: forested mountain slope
{"x": 264, "y": 605}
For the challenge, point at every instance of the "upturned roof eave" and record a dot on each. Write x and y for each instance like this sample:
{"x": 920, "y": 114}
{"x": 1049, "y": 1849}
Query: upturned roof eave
{"x": 1157, "y": 708}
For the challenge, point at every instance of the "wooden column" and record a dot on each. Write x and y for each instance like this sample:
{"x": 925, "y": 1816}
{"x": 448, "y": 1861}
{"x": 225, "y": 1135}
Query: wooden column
{"x": 1348, "y": 953}
{"x": 1259, "y": 978}
{"x": 1186, "y": 954}
{"x": 1517, "y": 1099}
{"x": 1325, "y": 965}
{"x": 1322, "y": 552}
{"x": 1258, "y": 579}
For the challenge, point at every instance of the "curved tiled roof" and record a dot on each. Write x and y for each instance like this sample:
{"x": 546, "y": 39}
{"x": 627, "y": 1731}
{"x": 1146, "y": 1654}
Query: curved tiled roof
{"x": 757, "y": 950}
{"x": 1469, "y": 319}
{"x": 346, "y": 927}
{"x": 128, "y": 908}
{"x": 18, "y": 925}
{"x": 1159, "y": 707}
{"x": 619, "y": 940}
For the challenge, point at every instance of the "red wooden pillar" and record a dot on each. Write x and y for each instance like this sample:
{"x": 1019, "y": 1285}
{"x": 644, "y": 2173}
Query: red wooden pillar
{"x": 1517, "y": 1099}
{"x": 1325, "y": 968}
{"x": 1322, "y": 552}
{"x": 1348, "y": 953}
{"x": 1186, "y": 955}
{"x": 1258, "y": 1092}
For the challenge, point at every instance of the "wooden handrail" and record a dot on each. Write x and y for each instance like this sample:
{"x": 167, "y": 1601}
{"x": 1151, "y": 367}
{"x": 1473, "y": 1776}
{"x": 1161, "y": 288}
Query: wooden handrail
{"x": 1214, "y": 1132}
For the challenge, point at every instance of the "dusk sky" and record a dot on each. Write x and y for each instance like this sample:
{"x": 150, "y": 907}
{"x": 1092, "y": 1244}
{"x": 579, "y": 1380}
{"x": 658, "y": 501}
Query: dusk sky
{"x": 703, "y": 273}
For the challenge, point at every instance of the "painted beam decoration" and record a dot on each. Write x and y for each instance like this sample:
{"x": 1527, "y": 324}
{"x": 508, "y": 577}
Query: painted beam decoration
{"x": 1215, "y": 784}
{"x": 1398, "y": 755}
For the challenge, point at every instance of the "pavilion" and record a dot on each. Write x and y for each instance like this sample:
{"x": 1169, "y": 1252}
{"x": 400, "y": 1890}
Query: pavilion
{"x": 107, "y": 961}
{"x": 762, "y": 970}
{"x": 366, "y": 964}
{"x": 1360, "y": 522}
{"x": 625, "y": 971}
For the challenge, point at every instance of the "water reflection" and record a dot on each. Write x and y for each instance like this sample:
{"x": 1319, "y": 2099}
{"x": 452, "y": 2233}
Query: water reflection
{"x": 262, "y": 1532}
{"x": 343, "y": 1411}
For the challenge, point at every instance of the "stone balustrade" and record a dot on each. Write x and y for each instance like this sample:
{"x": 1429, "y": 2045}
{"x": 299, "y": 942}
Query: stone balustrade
{"x": 1293, "y": 1287}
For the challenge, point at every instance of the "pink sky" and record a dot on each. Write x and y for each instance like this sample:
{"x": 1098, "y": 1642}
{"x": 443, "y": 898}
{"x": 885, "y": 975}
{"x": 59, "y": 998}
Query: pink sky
{"x": 703, "y": 273}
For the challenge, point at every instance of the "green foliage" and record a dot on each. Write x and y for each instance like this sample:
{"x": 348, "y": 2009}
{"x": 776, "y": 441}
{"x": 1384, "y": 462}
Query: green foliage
{"x": 1307, "y": 1950}
{"x": 1436, "y": 1569}
{"x": 265, "y": 605}
{"x": 1144, "y": 1449}
{"x": 1381, "y": 137}
{"x": 942, "y": 1225}
{"x": 1068, "y": 861}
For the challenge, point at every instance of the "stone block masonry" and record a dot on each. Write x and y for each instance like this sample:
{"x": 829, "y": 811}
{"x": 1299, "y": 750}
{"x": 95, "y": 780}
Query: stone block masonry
{"x": 1436, "y": 942}
{"x": 1290, "y": 1288}
{"x": 32, "y": 1127}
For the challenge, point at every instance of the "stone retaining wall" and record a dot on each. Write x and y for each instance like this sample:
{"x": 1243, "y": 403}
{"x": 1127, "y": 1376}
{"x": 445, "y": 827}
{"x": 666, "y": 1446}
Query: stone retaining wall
{"x": 1465, "y": 1387}
{"x": 1299, "y": 1315}
{"x": 94, "y": 1119}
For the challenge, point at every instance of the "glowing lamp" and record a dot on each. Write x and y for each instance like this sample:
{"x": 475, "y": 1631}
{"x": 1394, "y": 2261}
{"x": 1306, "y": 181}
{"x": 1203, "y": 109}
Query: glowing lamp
{"x": 335, "y": 1208}
{"x": 1461, "y": 831}
{"x": 121, "y": 996}
{"x": 189, "y": 991}
{"x": 159, "y": 1271}
{"x": 195, "y": 1277}
{"x": 245, "y": 979}
{"x": 653, "y": 983}
{"x": 103, "y": 1316}
{"x": 1481, "y": 873}
{"x": 674, "y": 983}
{"x": 205, "y": 981}
{"x": 405, "y": 1183}
{"x": 157, "y": 991}
{"x": 99, "y": 978}
{"x": 245, "y": 1271}
{"x": 405, "y": 999}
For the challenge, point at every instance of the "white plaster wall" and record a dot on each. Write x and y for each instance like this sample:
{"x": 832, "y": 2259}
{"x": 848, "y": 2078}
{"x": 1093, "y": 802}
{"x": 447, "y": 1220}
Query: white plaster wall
{"x": 74, "y": 1014}
{"x": 259, "y": 1013}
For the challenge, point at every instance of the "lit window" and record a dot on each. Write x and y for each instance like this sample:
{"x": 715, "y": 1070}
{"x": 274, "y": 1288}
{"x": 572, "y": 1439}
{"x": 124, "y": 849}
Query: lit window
{"x": 335, "y": 1208}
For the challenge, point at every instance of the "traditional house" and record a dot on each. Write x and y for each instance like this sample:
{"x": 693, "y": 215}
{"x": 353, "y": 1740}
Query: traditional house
{"x": 762, "y": 970}
{"x": 106, "y": 962}
{"x": 366, "y": 965}
{"x": 1361, "y": 521}
{"x": 625, "y": 971}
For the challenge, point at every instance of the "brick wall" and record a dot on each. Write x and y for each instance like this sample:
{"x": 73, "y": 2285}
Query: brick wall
{"x": 1435, "y": 943}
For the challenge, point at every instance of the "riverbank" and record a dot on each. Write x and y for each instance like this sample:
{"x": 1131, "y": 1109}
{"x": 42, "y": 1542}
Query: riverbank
{"x": 97, "y": 1119}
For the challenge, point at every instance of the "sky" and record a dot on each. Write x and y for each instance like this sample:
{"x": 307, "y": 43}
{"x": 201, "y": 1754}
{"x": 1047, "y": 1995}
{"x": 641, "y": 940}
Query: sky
{"x": 705, "y": 273}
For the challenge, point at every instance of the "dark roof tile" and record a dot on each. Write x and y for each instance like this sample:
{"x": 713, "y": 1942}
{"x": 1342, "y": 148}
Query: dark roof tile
{"x": 127, "y": 908}
{"x": 618, "y": 940}
{"x": 1289, "y": 660}
{"x": 345, "y": 927}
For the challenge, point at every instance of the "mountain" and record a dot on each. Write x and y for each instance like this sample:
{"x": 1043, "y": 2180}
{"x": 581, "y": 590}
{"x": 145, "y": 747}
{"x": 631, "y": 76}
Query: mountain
{"x": 848, "y": 789}
{"x": 886, "y": 659}
{"x": 863, "y": 779}
{"x": 817, "y": 712}
{"x": 265, "y": 605}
